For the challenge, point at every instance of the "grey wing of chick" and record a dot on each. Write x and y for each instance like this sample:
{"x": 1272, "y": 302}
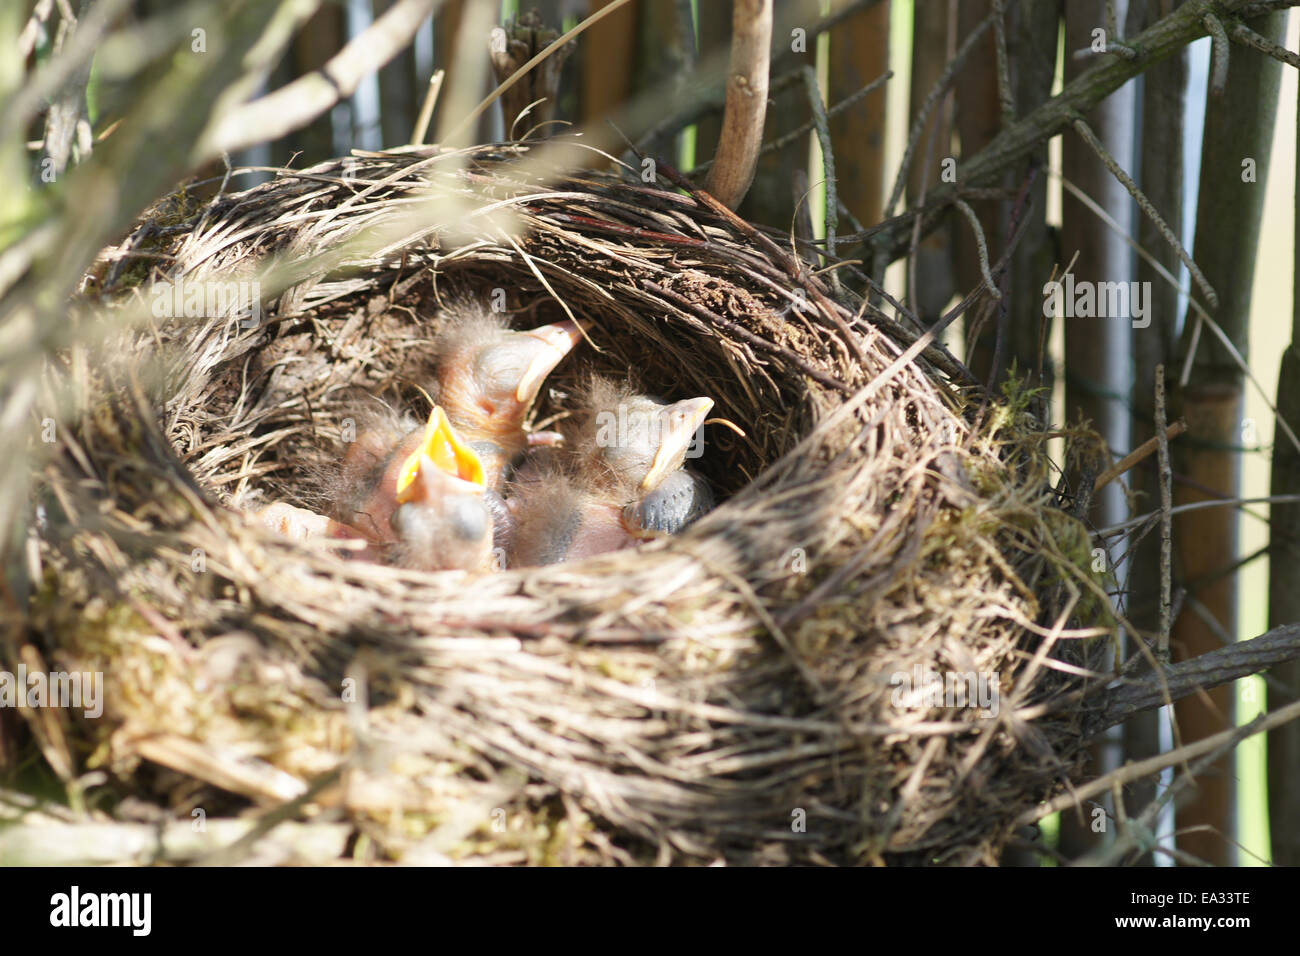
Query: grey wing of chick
{"x": 679, "y": 500}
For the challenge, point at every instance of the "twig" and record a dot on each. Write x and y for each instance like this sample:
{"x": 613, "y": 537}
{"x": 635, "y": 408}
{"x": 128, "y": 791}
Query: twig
{"x": 1056, "y": 114}
{"x": 426, "y": 109}
{"x": 1248, "y": 37}
{"x": 1137, "y": 455}
{"x": 27, "y": 39}
{"x": 918, "y": 124}
{"x": 296, "y": 104}
{"x": 1006, "y": 96}
{"x": 1144, "y": 768}
{"x": 1197, "y": 506}
{"x": 1166, "y": 520}
{"x": 981, "y": 247}
{"x": 1219, "y": 76}
{"x": 822, "y": 122}
{"x": 1211, "y": 669}
{"x": 1144, "y": 204}
{"x": 746, "y": 109}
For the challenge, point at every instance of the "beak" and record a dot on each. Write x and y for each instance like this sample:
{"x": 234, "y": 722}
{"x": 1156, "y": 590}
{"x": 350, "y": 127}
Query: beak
{"x": 441, "y": 449}
{"x": 678, "y": 424}
{"x": 549, "y": 346}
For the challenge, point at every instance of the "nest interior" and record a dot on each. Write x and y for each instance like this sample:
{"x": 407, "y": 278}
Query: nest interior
{"x": 757, "y": 689}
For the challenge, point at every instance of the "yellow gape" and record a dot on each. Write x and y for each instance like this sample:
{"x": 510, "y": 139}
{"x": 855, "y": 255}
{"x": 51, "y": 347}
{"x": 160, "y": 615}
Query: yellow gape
{"x": 444, "y": 448}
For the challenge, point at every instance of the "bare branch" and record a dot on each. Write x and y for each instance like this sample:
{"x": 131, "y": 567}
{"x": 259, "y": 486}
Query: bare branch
{"x": 981, "y": 247}
{"x": 1079, "y": 96}
{"x": 1219, "y": 76}
{"x": 1144, "y": 204}
{"x": 918, "y": 123}
{"x": 746, "y": 109}
{"x": 1166, "y": 522}
{"x": 1211, "y": 669}
{"x": 1248, "y": 37}
{"x": 296, "y": 104}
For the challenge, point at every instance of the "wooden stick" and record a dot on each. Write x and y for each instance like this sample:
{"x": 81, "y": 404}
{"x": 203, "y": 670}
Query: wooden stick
{"x": 746, "y": 109}
{"x": 1166, "y": 480}
{"x": 1137, "y": 455}
{"x": 426, "y": 111}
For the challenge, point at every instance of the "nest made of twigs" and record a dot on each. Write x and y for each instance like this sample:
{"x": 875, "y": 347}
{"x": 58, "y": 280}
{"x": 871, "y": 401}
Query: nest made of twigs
{"x": 730, "y": 693}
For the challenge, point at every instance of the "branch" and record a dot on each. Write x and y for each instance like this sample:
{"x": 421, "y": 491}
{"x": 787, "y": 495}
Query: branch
{"x": 1248, "y": 37}
{"x": 1201, "y": 673}
{"x": 1057, "y": 114}
{"x": 1086, "y": 134}
{"x": 1137, "y": 455}
{"x": 1144, "y": 768}
{"x": 742, "y": 119}
{"x": 296, "y": 104}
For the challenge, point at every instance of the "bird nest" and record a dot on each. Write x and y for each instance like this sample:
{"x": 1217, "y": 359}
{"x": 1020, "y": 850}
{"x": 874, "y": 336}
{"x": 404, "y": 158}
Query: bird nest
{"x": 856, "y": 657}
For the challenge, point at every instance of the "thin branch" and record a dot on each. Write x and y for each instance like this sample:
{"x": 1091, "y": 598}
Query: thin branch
{"x": 296, "y": 104}
{"x": 1197, "y": 506}
{"x": 923, "y": 114}
{"x": 746, "y": 109}
{"x": 1248, "y": 37}
{"x": 1166, "y": 522}
{"x": 1137, "y": 455}
{"x": 1005, "y": 94}
{"x": 1144, "y": 768}
{"x": 426, "y": 109}
{"x": 822, "y": 122}
{"x": 1088, "y": 89}
{"x": 1219, "y": 76}
{"x": 981, "y": 247}
{"x": 1144, "y": 204}
{"x": 1228, "y": 663}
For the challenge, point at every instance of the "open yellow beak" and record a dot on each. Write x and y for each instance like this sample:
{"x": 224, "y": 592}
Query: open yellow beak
{"x": 444, "y": 448}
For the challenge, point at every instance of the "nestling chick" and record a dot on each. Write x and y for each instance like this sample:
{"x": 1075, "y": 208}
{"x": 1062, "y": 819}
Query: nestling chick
{"x": 621, "y": 478}
{"x": 418, "y": 498}
{"x": 633, "y": 447}
{"x": 487, "y": 378}
{"x": 442, "y": 520}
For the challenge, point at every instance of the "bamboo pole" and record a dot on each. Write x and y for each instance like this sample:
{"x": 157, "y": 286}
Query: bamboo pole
{"x": 859, "y": 52}
{"x": 1238, "y": 127}
{"x": 1283, "y": 594}
{"x": 1096, "y": 347}
{"x": 931, "y": 281}
{"x": 1163, "y": 94}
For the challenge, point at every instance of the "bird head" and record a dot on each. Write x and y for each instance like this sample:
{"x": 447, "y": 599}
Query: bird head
{"x": 490, "y": 376}
{"x": 642, "y": 440}
{"x": 442, "y": 520}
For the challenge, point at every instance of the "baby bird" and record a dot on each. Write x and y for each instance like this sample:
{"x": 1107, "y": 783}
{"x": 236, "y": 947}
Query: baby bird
{"x": 442, "y": 520}
{"x": 487, "y": 378}
{"x": 619, "y": 478}
{"x": 418, "y": 498}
